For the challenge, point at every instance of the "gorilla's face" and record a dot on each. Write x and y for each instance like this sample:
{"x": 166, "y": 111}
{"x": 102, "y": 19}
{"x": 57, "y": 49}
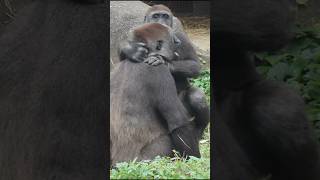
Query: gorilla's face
{"x": 162, "y": 17}
{"x": 157, "y": 38}
{"x": 164, "y": 45}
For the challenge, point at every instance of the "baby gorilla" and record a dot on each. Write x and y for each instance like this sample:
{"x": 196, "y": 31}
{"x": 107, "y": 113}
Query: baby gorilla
{"x": 147, "y": 116}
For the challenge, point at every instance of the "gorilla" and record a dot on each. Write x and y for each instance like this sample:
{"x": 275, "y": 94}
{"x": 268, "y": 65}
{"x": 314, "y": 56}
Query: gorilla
{"x": 260, "y": 126}
{"x": 185, "y": 65}
{"x": 122, "y": 21}
{"x": 147, "y": 116}
{"x": 53, "y": 106}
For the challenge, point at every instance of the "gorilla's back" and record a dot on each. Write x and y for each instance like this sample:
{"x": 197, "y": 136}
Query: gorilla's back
{"x": 132, "y": 105}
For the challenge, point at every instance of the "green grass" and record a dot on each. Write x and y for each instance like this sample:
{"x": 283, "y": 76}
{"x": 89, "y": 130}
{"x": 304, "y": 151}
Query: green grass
{"x": 167, "y": 168}
{"x": 172, "y": 168}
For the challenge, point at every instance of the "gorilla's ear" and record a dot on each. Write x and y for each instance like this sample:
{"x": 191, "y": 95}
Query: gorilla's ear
{"x": 176, "y": 40}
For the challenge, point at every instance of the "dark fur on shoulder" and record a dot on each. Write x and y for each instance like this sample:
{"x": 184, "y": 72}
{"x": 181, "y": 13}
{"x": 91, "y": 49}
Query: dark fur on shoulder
{"x": 53, "y": 93}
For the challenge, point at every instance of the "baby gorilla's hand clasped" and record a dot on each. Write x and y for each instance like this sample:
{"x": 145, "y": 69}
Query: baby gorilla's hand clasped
{"x": 139, "y": 52}
{"x": 154, "y": 60}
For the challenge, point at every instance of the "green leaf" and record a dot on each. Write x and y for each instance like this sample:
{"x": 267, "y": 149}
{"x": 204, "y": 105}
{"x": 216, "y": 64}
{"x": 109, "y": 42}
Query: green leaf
{"x": 302, "y": 2}
{"x": 280, "y": 72}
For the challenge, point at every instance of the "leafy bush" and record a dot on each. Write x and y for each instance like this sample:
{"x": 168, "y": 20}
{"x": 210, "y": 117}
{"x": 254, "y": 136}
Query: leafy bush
{"x": 172, "y": 168}
{"x": 203, "y": 82}
{"x": 298, "y": 65}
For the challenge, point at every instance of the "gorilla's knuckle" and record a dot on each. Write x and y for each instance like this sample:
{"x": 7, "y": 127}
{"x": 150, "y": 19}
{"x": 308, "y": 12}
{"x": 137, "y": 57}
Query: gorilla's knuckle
{"x": 196, "y": 96}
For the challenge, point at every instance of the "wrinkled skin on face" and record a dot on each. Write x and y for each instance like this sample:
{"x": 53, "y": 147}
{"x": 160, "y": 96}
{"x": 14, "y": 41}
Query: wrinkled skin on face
{"x": 162, "y": 17}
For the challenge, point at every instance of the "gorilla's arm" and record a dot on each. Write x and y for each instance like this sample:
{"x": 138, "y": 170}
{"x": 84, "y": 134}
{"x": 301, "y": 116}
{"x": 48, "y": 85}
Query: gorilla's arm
{"x": 186, "y": 68}
{"x": 168, "y": 103}
{"x": 138, "y": 52}
{"x": 187, "y": 64}
{"x": 184, "y": 134}
{"x": 135, "y": 52}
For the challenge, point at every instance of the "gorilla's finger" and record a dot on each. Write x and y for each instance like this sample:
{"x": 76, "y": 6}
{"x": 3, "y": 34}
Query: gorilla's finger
{"x": 157, "y": 62}
{"x": 146, "y": 60}
{"x": 141, "y": 44}
{"x": 150, "y": 60}
{"x": 142, "y": 50}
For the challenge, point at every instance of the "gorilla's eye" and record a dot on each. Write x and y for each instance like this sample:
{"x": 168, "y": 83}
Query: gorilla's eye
{"x": 166, "y": 16}
{"x": 156, "y": 16}
{"x": 159, "y": 45}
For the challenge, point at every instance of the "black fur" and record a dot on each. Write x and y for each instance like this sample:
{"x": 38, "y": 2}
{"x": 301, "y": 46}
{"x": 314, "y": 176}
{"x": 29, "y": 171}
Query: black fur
{"x": 53, "y": 92}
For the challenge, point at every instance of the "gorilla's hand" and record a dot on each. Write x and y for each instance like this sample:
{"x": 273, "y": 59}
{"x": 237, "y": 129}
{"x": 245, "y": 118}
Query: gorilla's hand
{"x": 170, "y": 64}
{"x": 135, "y": 52}
{"x": 140, "y": 53}
{"x": 185, "y": 140}
{"x": 154, "y": 60}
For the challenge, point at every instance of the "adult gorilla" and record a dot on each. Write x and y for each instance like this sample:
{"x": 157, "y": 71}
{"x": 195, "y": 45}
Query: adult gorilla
{"x": 53, "y": 92}
{"x": 122, "y": 21}
{"x": 260, "y": 126}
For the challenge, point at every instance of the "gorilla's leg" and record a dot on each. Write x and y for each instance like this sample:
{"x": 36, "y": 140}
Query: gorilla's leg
{"x": 161, "y": 146}
{"x": 195, "y": 101}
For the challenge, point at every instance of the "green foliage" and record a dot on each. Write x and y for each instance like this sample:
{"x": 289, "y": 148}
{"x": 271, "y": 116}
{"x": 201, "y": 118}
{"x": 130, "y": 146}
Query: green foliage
{"x": 203, "y": 82}
{"x": 302, "y": 2}
{"x": 298, "y": 65}
{"x": 177, "y": 167}
{"x": 163, "y": 168}
{"x": 168, "y": 168}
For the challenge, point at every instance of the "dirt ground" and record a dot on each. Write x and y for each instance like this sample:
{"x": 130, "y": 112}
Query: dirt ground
{"x": 198, "y": 30}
